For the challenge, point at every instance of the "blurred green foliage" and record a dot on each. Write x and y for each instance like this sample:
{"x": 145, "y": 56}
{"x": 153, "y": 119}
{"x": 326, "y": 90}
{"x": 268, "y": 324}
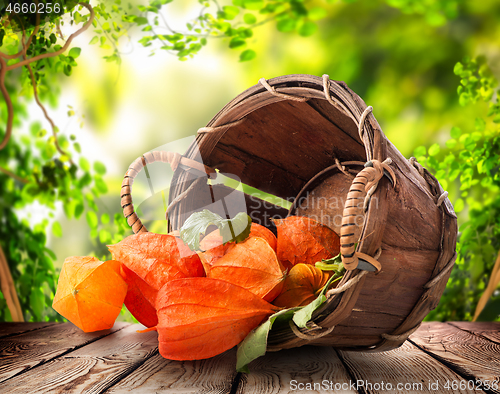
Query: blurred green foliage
{"x": 468, "y": 165}
{"x": 404, "y": 57}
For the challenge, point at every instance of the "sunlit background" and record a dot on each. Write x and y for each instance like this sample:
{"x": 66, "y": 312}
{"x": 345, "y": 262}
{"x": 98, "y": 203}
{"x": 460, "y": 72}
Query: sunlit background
{"x": 400, "y": 64}
{"x": 397, "y": 55}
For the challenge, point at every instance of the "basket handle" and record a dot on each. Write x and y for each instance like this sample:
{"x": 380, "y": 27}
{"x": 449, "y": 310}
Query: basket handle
{"x": 174, "y": 159}
{"x": 362, "y": 188}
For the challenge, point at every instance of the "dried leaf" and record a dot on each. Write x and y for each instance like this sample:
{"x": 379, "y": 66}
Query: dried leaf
{"x": 90, "y": 293}
{"x": 301, "y": 286}
{"x": 304, "y": 240}
{"x": 157, "y": 258}
{"x": 140, "y": 299}
{"x": 251, "y": 264}
{"x": 199, "y": 318}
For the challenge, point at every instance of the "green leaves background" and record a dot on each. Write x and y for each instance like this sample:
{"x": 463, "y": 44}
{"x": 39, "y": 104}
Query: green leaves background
{"x": 415, "y": 62}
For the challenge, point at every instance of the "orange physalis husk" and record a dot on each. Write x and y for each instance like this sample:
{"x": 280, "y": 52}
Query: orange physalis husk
{"x": 90, "y": 293}
{"x": 304, "y": 240}
{"x": 251, "y": 264}
{"x": 263, "y": 232}
{"x": 140, "y": 299}
{"x": 213, "y": 248}
{"x": 157, "y": 258}
{"x": 301, "y": 286}
{"x": 199, "y": 318}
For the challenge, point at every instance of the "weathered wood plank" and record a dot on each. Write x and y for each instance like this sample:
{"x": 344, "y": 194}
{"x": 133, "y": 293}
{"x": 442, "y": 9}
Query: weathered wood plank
{"x": 9, "y": 329}
{"x": 25, "y": 351}
{"x": 471, "y": 356}
{"x": 90, "y": 369}
{"x": 489, "y": 330}
{"x": 305, "y": 369}
{"x": 403, "y": 370}
{"x": 215, "y": 375}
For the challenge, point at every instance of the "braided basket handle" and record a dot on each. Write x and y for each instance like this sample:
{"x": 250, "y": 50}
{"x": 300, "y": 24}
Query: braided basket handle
{"x": 362, "y": 188}
{"x": 174, "y": 159}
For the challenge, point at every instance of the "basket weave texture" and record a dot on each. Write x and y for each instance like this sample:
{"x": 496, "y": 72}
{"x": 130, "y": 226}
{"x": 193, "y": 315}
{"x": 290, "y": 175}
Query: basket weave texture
{"x": 305, "y": 139}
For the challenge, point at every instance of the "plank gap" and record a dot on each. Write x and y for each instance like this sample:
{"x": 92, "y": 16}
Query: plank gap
{"x": 129, "y": 371}
{"x": 348, "y": 370}
{"x": 23, "y": 331}
{"x": 236, "y": 383}
{"x": 42, "y": 362}
{"x": 476, "y": 333}
{"x": 450, "y": 366}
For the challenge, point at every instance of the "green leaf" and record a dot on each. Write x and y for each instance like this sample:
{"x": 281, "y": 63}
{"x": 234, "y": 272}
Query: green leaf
{"x": 92, "y": 219}
{"x": 230, "y": 11}
{"x": 455, "y": 132}
{"x": 79, "y": 210}
{"x": 253, "y": 4}
{"x": 104, "y": 218}
{"x": 101, "y": 185}
{"x": 231, "y": 230}
{"x": 247, "y": 55}
{"x": 480, "y": 124}
{"x": 308, "y": 29}
{"x": 74, "y": 52}
{"x": 316, "y": 13}
{"x": 249, "y": 19}
{"x": 303, "y": 316}
{"x": 37, "y": 302}
{"x": 459, "y": 205}
{"x": 286, "y": 25}
{"x": 255, "y": 343}
{"x": 140, "y": 20}
{"x": 57, "y": 229}
{"x": 458, "y": 69}
{"x": 94, "y": 40}
{"x": 420, "y": 151}
{"x": 84, "y": 164}
{"x": 99, "y": 168}
{"x": 451, "y": 143}
{"x": 434, "y": 149}
{"x": 236, "y": 42}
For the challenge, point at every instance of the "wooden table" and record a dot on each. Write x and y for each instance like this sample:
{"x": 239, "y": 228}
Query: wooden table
{"x": 60, "y": 358}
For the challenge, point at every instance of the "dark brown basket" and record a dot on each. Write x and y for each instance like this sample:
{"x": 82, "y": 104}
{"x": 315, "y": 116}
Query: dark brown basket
{"x": 306, "y": 139}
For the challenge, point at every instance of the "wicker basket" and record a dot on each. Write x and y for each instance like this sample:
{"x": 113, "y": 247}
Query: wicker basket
{"x": 306, "y": 139}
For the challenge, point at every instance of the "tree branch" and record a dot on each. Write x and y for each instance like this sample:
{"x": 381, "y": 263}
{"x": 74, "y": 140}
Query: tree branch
{"x": 45, "y": 113}
{"x": 64, "y": 48}
{"x": 9, "y": 290}
{"x": 26, "y": 45}
{"x": 26, "y": 62}
{"x": 8, "y": 102}
{"x": 12, "y": 175}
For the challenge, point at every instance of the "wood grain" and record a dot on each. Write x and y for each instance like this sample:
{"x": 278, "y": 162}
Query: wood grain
{"x": 10, "y": 329}
{"x": 22, "y": 352}
{"x": 488, "y": 330}
{"x": 316, "y": 368}
{"x": 467, "y": 354}
{"x": 406, "y": 366}
{"x": 92, "y": 368}
{"x": 215, "y": 375}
